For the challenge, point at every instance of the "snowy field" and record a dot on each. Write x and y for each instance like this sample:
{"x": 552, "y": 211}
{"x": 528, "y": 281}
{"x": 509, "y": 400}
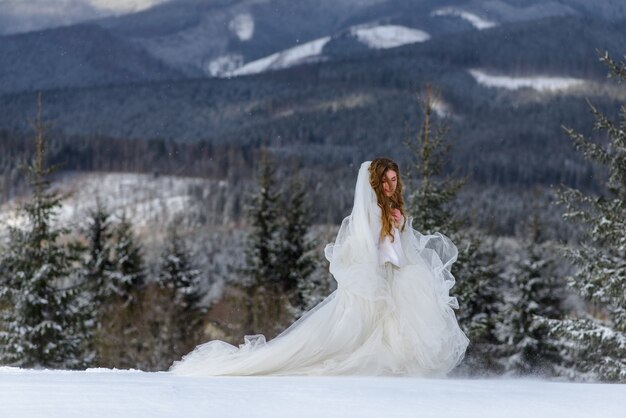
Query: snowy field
{"x": 537, "y": 83}
{"x": 476, "y": 21}
{"x": 100, "y": 393}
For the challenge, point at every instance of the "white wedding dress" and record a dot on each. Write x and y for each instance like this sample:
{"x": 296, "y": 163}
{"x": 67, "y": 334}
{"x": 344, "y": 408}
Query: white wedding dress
{"x": 390, "y": 315}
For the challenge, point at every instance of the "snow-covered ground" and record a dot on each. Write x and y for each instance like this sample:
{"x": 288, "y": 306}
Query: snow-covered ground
{"x": 124, "y": 6}
{"x": 477, "y": 21}
{"x": 103, "y": 393}
{"x": 538, "y": 83}
{"x": 388, "y": 36}
{"x": 287, "y": 58}
{"x": 144, "y": 198}
{"x": 223, "y": 65}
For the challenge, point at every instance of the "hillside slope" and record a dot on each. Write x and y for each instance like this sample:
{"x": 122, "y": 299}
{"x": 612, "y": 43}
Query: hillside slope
{"x": 75, "y": 56}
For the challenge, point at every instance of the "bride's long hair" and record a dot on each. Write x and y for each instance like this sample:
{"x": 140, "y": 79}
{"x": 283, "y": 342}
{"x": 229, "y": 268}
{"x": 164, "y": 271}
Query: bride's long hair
{"x": 378, "y": 168}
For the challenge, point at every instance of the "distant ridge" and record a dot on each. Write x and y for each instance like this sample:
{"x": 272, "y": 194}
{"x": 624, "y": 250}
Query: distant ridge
{"x": 74, "y": 56}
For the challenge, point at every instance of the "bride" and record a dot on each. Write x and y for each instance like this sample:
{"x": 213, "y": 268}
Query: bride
{"x": 390, "y": 315}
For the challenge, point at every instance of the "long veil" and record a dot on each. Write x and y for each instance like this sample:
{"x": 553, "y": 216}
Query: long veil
{"x": 356, "y": 246}
{"x": 353, "y": 255}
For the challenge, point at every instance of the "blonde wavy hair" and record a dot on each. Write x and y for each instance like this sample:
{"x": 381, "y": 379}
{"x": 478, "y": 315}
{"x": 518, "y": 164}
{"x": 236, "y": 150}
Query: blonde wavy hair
{"x": 378, "y": 169}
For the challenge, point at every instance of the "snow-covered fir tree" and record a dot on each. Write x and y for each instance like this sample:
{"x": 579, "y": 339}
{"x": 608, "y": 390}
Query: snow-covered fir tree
{"x": 430, "y": 202}
{"x": 97, "y": 270}
{"x": 99, "y": 264}
{"x": 42, "y": 318}
{"x": 262, "y": 253}
{"x": 178, "y": 274}
{"x": 279, "y": 262}
{"x": 431, "y": 207}
{"x": 118, "y": 339}
{"x": 536, "y": 293}
{"x": 594, "y": 347}
{"x": 129, "y": 271}
{"x": 295, "y": 261}
{"x": 480, "y": 308}
{"x": 178, "y": 314}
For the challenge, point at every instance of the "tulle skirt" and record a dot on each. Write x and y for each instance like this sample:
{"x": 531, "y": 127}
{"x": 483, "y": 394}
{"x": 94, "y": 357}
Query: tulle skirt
{"x": 390, "y": 321}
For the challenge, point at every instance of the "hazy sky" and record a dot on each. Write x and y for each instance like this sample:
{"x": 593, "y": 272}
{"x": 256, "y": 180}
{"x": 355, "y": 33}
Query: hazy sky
{"x": 22, "y": 16}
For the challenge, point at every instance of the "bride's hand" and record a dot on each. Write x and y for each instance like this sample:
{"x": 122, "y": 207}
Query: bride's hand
{"x": 396, "y": 215}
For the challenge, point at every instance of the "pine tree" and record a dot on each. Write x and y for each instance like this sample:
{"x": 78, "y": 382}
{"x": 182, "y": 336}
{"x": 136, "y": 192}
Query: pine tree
{"x": 42, "y": 322}
{"x": 177, "y": 274}
{"x": 481, "y": 309}
{"x": 537, "y": 294}
{"x": 118, "y": 339}
{"x": 128, "y": 265}
{"x": 99, "y": 265}
{"x": 180, "y": 321}
{"x": 262, "y": 248}
{"x": 430, "y": 203}
{"x": 595, "y": 347}
{"x": 101, "y": 284}
{"x": 295, "y": 262}
{"x": 431, "y": 207}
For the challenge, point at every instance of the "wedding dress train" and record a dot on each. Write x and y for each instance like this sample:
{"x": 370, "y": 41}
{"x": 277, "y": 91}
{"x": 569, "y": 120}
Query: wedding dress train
{"x": 391, "y": 313}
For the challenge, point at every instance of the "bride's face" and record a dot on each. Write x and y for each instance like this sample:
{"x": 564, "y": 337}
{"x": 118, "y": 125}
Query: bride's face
{"x": 390, "y": 182}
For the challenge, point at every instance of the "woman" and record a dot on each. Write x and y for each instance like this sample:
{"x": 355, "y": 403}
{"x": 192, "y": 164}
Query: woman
{"x": 390, "y": 315}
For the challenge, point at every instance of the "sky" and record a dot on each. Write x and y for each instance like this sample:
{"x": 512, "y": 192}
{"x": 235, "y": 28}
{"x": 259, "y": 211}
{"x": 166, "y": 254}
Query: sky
{"x": 23, "y": 16}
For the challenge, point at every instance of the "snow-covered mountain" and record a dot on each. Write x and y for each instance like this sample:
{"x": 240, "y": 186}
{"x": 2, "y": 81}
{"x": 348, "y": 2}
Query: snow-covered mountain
{"x": 347, "y": 75}
{"x": 307, "y": 52}
{"x": 236, "y": 37}
{"x": 372, "y": 36}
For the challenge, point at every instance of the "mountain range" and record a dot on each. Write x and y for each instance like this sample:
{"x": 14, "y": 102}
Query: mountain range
{"x": 329, "y": 82}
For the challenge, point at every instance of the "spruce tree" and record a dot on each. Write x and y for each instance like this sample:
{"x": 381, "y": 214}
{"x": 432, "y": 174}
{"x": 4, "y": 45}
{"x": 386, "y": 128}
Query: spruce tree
{"x": 431, "y": 207}
{"x": 295, "y": 262}
{"x": 536, "y": 293}
{"x": 99, "y": 264}
{"x": 480, "y": 309}
{"x": 262, "y": 252}
{"x": 129, "y": 272}
{"x": 430, "y": 202}
{"x": 119, "y": 342}
{"x": 178, "y": 274}
{"x": 594, "y": 347}
{"x": 99, "y": 272}
{"x": 42, "y": 318}
{"x": 179, "y": 281}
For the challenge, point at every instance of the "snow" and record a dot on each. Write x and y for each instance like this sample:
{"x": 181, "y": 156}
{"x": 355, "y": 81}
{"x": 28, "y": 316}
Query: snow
{"x": 385, "y": 36}
{"x": 293, "y": 56}
{"x": 242, "y": 26}
{"x": 538, "y": 83}
{"x": 124, "y": 6}
{"x": 103, "y": 393}
{"x": 145, "y": 199}
{"x": 388, "y": 36}
{"x": 440, "y": 107}
{"x": 223, "y": 65}
{"x": 477, "y": 21}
